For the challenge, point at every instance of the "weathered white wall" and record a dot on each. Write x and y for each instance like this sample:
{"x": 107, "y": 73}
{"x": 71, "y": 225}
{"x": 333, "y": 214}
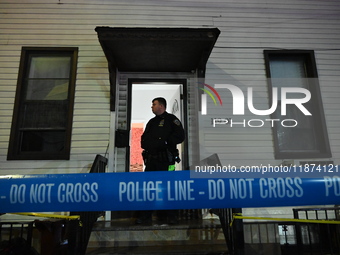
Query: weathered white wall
{"x": 247, "y": 28}
{"x": 47, "y": 23}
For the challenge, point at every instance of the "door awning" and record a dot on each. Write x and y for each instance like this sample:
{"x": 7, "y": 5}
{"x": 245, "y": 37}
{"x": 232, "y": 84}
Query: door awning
{"x": 157, "y": 49}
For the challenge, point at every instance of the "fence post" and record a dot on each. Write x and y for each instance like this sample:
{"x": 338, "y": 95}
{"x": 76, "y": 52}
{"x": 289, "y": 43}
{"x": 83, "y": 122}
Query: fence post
{"x": 298, "y": 232}
{"x": 238, "y": 234}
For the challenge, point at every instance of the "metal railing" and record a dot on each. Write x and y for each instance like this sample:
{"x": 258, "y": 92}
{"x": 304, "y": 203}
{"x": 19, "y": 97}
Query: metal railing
{"x": 78, "y": 240}
{"x": 318, "y": 238}
{"x": 233, "y": 235}
{"x": 99, "y": 164}
{"x": 313, "y": 231}
{"x": 16, "y": 237}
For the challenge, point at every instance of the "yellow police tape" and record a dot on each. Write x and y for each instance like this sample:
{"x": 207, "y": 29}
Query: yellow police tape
{"x": 46, "y": 215}
{"x": 238, "y": 216}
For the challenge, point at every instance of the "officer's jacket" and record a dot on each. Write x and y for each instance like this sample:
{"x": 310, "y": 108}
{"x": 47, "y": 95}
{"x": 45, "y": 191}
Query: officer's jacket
{"x": 162, "y": 132}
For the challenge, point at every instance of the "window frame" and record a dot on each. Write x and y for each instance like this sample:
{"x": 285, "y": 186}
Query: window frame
{"x": 14, "y": 152}
{"x": 319, "y": 116}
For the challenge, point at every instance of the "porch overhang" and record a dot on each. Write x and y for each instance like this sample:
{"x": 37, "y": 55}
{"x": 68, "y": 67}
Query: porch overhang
{"x": 157, "y": 49}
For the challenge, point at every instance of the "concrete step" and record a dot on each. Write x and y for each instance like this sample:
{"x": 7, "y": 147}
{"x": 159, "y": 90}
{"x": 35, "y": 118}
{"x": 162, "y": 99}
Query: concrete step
{"x": 156, "y": 250}
{"x": 122, "y": 236}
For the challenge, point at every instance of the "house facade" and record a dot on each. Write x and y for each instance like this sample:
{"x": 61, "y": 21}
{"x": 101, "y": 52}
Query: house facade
{"x": 251, "y": 44}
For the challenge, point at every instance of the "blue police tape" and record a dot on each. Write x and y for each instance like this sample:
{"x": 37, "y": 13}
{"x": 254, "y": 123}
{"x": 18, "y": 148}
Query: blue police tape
{"x": 159, "y": 190}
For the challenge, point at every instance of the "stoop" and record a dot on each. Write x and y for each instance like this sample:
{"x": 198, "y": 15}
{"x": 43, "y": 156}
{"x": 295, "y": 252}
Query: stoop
{"x": 122, "y": 236}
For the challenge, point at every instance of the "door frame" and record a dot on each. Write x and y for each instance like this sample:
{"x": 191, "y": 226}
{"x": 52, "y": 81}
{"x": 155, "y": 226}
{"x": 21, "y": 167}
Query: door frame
{"x": 183, "y": 97}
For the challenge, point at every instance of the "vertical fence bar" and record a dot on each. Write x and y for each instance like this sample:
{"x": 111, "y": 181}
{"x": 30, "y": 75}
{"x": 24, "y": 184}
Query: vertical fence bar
{"x": 238, "y": 234}
{"x": 298, "y": 232}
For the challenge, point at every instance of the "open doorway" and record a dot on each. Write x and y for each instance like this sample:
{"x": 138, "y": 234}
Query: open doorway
{"x": 142, "y": 94}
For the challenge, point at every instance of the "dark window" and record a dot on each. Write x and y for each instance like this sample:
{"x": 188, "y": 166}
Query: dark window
{"x": 43, "y": 110}
{"x": 309, "y": 138}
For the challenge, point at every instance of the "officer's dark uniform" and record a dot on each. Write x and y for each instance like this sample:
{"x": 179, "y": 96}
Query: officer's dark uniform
{"x": 159, "y": 141}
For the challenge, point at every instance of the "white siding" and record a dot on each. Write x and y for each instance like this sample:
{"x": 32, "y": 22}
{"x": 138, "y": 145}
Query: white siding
{"x": 247, "y": 28}
{"x": 91, "y": 110}
{"x": 121, "y": 123}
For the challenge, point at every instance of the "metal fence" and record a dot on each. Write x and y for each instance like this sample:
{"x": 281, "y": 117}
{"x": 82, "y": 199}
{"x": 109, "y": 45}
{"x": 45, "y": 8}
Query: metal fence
{"x": 318, "y": 238}
{"x": 16, "y": 238}
{"x": 285, "y": 237}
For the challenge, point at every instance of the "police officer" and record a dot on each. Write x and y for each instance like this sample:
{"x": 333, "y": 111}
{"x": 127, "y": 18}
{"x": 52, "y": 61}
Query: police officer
{"x": 160, "y": 138}
{"x": 159, "y": 141}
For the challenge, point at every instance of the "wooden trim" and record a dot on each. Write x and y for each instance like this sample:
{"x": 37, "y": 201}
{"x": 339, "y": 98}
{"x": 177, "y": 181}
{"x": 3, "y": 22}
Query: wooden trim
{"x": 13, "y": 149}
